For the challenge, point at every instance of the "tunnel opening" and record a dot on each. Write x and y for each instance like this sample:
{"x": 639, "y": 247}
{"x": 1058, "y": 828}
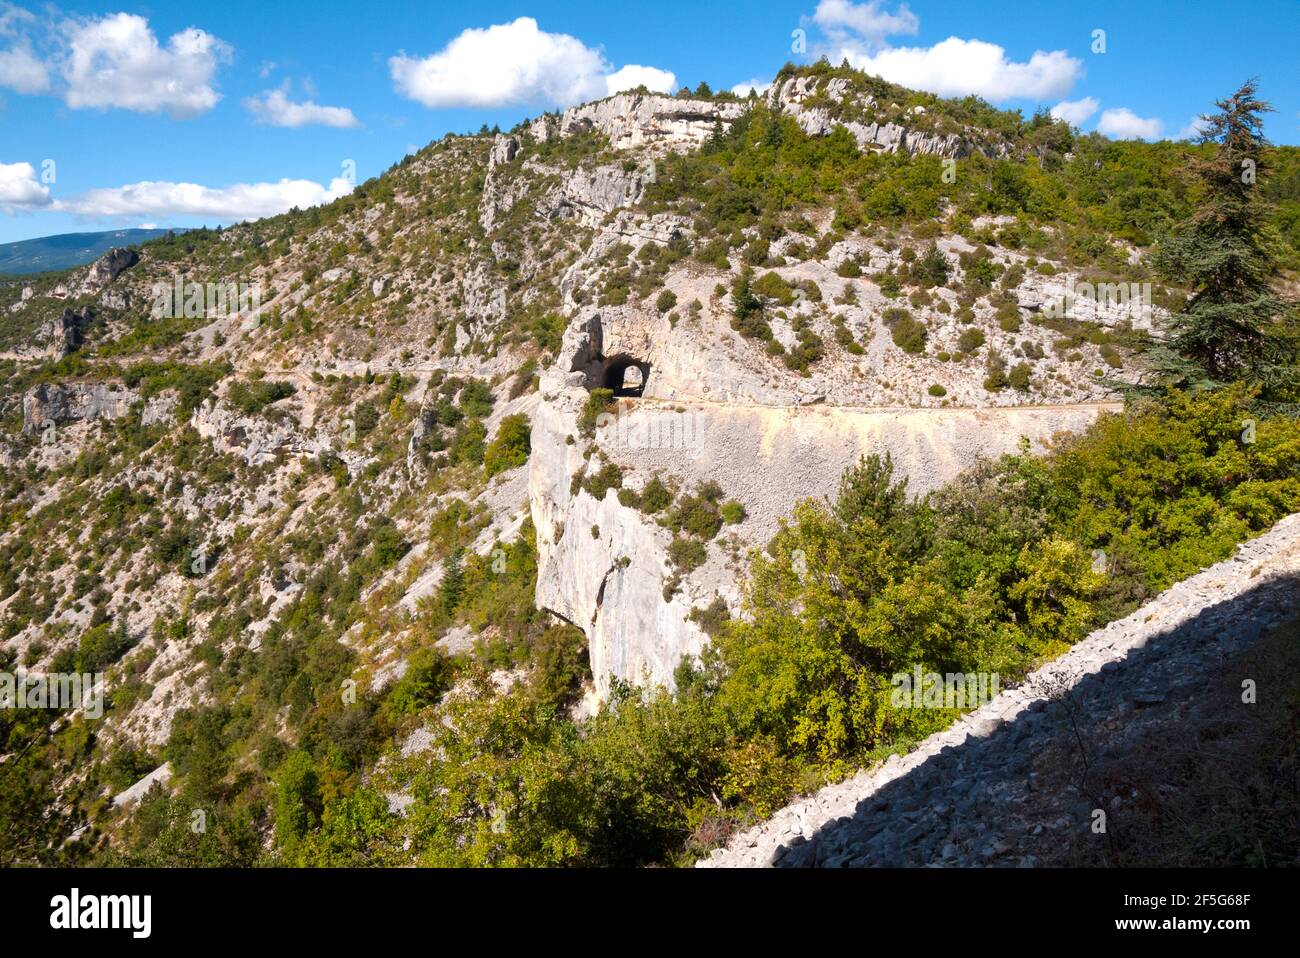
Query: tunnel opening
{"x": 625, "y": 375}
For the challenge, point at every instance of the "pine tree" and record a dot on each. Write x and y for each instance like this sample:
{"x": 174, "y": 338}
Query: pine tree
{"x": 453, "y": 581}
{"x": 1234, "y": 326}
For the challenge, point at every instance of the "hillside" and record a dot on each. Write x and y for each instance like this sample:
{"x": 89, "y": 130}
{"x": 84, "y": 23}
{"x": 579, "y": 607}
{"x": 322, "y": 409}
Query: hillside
{"x": 568, "y": 495}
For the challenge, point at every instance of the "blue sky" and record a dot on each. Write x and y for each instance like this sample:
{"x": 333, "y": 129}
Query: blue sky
{"x": 180, "y": 114}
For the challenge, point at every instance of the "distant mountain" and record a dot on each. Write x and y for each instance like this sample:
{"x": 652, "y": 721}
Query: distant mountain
{"x": 66, "y": 250}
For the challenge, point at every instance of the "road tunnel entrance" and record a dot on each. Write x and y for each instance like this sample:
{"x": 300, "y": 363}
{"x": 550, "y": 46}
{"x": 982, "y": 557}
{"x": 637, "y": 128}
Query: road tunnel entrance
{"x": 626, "y": 375}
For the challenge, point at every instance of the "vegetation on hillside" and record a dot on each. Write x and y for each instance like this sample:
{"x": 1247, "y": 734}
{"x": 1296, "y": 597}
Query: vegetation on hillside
{"x": 294, "y": 747}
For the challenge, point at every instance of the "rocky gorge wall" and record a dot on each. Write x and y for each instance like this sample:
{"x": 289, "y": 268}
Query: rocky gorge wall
{"x": 603, "y": 566}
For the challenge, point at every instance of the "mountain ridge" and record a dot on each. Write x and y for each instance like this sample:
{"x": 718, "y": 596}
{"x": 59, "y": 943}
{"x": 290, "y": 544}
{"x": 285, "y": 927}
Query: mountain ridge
{"x": 63, "y": 251}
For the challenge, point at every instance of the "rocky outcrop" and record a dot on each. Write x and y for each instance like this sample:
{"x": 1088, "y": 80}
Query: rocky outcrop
{"x": 63, "y": 403}
{"x": 107, "y": 268}
{"x": 160, "y": 776}
{"x": 967, "y": 796}
{"x": 818, "y": 105}
{"x": 498, "y": 198}
{"x": 160, "y": 410}
{"x": 258, "y": 440}
{"x": 640, "y": 119}
{"x": 809, "y": 99}
{"x": 602, "y": 565}
{"x": 504, "y": 150}
{"x": 589, "y": 195}
{"x": 66, "y": 333}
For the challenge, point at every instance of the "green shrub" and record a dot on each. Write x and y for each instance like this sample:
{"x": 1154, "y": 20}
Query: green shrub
{"x": 252, "y": 398}
{"x": 687, "y": 553}
{"x": 995, "y": 379}
{"x": 970, "y": 339}
{"x": 428, "y": 677}
{"x": 655, "y": 497}
{"x": 600, "y": 401}
{"x": 698, "y": 513}
{"x": 910, "y": 336}
{"x": 510, "y": 448}
{"x": 1009, "y": 318}
{"x": 772, "y": 286}
{"x": 298, "y": 804}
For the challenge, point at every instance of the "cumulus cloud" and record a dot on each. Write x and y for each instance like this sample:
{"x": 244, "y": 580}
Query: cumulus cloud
{"x": 19, "y": 188}
{"x": 274, "y": 108}
{"x": 755, "y": 85}
{"x": 863, "y": 24}
{"x": 956, "y": 67}
{"x": 633, "y": 76}
{"x": 1121, "y": 123}
{"x": 242, "y": 201}
{"x": 1075, "y": 112}
{"x": 10, "y": 18}
{"x": 117, "y": 62}
{"x": 510, "y": 64}
{"x": 859, "y": 32}
{"x": 22, "y": 71}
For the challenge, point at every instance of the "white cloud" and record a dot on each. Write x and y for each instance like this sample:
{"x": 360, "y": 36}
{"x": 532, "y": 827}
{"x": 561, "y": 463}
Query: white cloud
{"x": 633, "y": 76}
{"x": 859, "y": 32}
{"x": 10, "y": 15}
{"x": 116, "y": 61}
{"x": 1075, "y": 112}
{"x": 19, "y": 188}
{"x": 956, "y": 67}
{"x": 22, "y": 72}
{"x": 1122, "y": 123}
{"x": 1193, "y": 130}
{"x": 274, "y": 108}
{"x": 863, "y": 24}
{"x": 242, "y": 201}
{"x": 758, "y": 86}
{"x": 508, "y": 64}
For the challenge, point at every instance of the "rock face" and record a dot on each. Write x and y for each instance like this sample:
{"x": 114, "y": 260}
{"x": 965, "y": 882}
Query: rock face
{"x": 638, "y": 119}
{"x": 817, "y": 104}
{"x": 967, "y": 795}
{"x": 801, "y": 97}
{"x": 609, "y": 585}
{"x": 767, "y": 456}
{"x": 588, "y": 195}
{"x": 63, "y": 403}
{"x": 259, "y": 440}
{"x": 160, "y": 776}
{"x": 65, "y": 334}
{"x": 107, "y": 268}
{"x": 504, "y": 150}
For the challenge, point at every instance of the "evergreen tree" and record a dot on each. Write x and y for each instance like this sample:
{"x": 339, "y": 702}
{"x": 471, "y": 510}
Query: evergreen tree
{"x": 1234, "y": 326}
{"x": 453, "y": 581}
